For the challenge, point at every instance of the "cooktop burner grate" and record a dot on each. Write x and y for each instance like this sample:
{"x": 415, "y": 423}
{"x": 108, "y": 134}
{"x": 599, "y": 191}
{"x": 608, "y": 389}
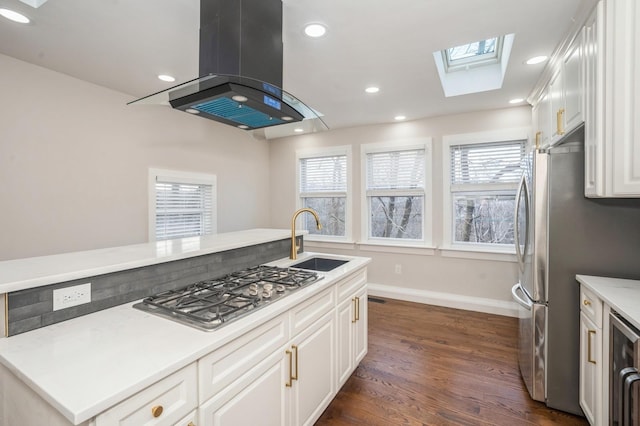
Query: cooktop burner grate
{"x": 212, "y": 303}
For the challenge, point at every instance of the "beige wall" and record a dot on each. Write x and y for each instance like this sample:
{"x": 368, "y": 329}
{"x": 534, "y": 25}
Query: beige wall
{"x": 434, "y": 273}
{"x": 74, "y": 161}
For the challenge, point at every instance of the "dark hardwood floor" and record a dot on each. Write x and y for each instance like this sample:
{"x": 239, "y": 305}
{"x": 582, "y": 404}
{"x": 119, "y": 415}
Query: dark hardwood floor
{"x": 429, "y": 365}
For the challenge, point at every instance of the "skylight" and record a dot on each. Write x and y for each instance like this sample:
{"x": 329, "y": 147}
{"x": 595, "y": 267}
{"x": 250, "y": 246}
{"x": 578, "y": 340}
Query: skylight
{"x": 474, "y": 67}
{"x": 482, "y": 52}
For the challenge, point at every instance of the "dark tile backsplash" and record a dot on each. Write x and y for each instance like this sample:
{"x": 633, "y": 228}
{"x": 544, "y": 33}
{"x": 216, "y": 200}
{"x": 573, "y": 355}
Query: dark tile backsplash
{"x": 33, "y": 308}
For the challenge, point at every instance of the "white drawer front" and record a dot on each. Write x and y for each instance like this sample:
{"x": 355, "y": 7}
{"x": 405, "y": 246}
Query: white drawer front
{"x": 223, "y": 366}
{"x": 591, "y": 306}
{"x": 170, "y": 399}
{"x": 350, "y": 284}
{"x": 306, "y": 313}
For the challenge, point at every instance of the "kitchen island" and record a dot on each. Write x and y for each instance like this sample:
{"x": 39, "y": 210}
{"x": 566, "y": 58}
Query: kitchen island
{"x": 123, "y": 363}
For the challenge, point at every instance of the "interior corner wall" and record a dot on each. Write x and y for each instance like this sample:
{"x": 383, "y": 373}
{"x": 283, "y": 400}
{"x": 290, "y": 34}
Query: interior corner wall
{"x": 431, "y": 273}
{"x": 74, "y": 162}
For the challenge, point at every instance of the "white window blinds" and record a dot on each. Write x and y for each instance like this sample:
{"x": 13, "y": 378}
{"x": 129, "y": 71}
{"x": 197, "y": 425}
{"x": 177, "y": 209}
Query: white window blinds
{"x": 183, "y": 209}
{"x": 487, "y": 163}
{"x": 395, "y": 170}
{"x": 323, "y": 174}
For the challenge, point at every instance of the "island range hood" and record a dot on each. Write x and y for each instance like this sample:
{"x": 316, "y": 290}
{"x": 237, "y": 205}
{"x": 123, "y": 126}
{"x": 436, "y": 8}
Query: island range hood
{"x": 241, "y": 59}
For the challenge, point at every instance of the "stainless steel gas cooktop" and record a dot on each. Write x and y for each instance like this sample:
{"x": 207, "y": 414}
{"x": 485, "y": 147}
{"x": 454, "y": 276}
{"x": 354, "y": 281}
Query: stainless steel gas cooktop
{"x": 210, "y": 304}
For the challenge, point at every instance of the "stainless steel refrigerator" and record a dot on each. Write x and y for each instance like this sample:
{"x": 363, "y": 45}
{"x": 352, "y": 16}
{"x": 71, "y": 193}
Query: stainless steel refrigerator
{"x": 560, "y": 233}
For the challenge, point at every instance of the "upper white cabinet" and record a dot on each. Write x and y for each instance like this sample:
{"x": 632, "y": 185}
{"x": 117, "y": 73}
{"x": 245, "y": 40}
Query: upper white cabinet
{"x": 560, "y": 106}
{"x": 613, "y": 90}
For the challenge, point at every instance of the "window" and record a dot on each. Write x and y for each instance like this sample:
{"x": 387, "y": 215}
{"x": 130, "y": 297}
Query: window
{"x": 482, "y": 52}
{"x": 181, "y": 204}
{"x": 483, "y": 178}
{"x": 397, "y": 196}
{"x": 323, "y": 180}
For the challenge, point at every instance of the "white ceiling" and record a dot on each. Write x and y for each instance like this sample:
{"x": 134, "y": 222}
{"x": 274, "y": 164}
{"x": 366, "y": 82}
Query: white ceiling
{"x": 125, "y": 44}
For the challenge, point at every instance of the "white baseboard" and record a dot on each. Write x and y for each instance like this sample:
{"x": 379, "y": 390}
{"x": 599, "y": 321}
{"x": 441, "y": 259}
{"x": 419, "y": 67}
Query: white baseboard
{"x": 449, "y": 300}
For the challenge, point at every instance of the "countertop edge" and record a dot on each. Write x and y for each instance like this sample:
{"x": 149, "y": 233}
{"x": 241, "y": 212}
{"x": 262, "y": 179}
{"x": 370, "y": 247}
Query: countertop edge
{"x": 618, "y": 293}
{"x": 213, "y": 244}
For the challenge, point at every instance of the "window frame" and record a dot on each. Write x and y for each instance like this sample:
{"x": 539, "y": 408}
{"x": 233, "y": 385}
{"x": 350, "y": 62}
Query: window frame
{"x": 452, "y": 65}
{"x": 329, "y": 152}
{"x": 180, "y": 177}
{"x": 505, "y": 135}
{"x": 427, "y": 212}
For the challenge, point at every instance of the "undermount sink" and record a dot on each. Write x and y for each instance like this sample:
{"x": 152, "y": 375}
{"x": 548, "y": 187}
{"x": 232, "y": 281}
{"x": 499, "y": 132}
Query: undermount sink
{"x": 321, "y": 264}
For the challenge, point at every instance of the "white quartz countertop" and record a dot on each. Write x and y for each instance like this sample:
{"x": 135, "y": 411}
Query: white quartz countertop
{"x": 621, "y": 295}
{"x": 88, "y": 364}
{"x": 32, "y": 272}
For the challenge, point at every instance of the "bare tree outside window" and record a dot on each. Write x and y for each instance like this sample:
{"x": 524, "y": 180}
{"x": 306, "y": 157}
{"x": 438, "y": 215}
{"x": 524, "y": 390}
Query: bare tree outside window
{"x": 484, "y": 179}
{"x": 323, "y": 188}
{"x": 395, "y": 194}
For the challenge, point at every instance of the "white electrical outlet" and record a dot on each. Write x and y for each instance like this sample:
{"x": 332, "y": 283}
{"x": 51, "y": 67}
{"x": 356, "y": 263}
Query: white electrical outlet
{"x": 398, "y": 268}
{"x": 71, "y": 296}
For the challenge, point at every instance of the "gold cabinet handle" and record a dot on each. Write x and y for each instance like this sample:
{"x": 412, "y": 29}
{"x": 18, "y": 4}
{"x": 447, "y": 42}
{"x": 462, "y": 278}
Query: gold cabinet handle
{"x": 591, "y": 333}
{"x": 353, "y": 301}
{"x": 295, "y": 350}
{"x": 157, "y": 410}
{"x": 586, "y": 302}
{"x": 191, "y": 424}
{"x": 559, "y": 116}
{"x": 357, "y": 308}
{"x": 290, "y": 354}
{"x": 538, "y": 134}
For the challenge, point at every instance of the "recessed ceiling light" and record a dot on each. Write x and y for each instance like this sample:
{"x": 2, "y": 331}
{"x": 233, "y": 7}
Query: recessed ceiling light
{"x": 516, "y": 101}
{"x": 399, "y": 117}
{"x": 192, "y": 111}
{"x": 372, "y": 89}
{"x": 315, "y": 30}
{"x": 239, "y": 98}
{"x": 298, "y": 130}
{"x": 14, "y": 16}
{"x": 165, "y": 77}
{"x": 287, "y": 118}
{"x": 536, "y": 60}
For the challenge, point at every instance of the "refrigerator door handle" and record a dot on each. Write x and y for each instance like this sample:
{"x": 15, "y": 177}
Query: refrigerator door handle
{"x": 522, "y": 188}
{"x": 522, "y": 301}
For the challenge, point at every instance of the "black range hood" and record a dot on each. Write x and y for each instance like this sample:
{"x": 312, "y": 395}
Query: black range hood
{"x": 241, "y": 71}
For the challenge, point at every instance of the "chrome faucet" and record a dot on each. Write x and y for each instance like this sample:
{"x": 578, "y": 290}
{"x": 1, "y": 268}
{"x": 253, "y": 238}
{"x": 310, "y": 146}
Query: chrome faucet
{"x": 294, "y": 246}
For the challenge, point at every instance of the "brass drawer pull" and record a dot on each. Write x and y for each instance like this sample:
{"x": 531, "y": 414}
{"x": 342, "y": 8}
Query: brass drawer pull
{"x": 295, "y": 350}
{"x": 290, "y": 354}
{"x": 586, "y": 302}
{"x": 191, "y": 424}
{"x": 559, "y": 116}
{"x": 357, "y": 308}
{"x": 591, "y": 333}
{"x": 157, "y": 410}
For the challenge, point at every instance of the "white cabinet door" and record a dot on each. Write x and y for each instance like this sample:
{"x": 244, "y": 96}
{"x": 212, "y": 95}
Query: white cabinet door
{"x": 352, "y": 334}
{"x": 543, "y": 115}
{"x": 345, "y": 356}
{"x": 360, "y": 340}
{"x": 622, "y": 119}
{"x": 573, "y": 85}
{"x": 556, "y": 102}
{"x": 593, "y": 49}
{"x": 314, "y": 370}
{"x": 257, "y": 398}
{"x": 590, "y": 369}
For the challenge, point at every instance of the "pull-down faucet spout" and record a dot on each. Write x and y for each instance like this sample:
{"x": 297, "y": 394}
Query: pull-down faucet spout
{"x": 294, "y": 246}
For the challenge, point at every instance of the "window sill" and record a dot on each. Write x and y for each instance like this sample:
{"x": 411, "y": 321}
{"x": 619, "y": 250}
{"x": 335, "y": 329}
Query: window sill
{"x": 421, "y": 249}
{"x": 478, "y": 253}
